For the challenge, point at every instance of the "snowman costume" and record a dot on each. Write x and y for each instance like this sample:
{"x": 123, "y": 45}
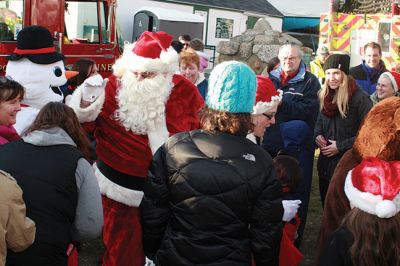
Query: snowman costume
{"x": 37, "y": 66}
{"x": 143, "y": 103}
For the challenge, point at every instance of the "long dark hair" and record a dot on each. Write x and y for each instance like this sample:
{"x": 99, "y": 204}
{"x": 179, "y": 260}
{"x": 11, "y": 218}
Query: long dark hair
{"x": 376, "y": 240}
{"x": 84, "y": 66}
{"x": 219, "y": 121}
{"x": 56, "y": 114}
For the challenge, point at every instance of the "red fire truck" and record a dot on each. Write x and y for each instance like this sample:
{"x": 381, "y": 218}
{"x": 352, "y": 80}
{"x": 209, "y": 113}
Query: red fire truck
{"x": 81, "y": 28}
{"x": 349, "y": 32}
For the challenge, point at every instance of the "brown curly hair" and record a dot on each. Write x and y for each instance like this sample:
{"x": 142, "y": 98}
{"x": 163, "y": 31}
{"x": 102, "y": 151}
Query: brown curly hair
{"x": 220, "y": 121}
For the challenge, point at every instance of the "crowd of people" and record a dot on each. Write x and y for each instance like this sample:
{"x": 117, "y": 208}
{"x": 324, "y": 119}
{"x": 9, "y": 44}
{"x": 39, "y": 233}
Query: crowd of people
{"x": 172, "y": 168}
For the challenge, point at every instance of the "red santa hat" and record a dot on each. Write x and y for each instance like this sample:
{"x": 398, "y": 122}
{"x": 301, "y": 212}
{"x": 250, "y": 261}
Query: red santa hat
{"x": 152, "y": 52}
{"x": 374, "y": 187}
{"x": 266, "y": 96}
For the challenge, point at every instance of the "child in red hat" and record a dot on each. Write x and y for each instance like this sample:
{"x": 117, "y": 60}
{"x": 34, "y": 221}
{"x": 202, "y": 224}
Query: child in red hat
{"x": 369, "y": 233}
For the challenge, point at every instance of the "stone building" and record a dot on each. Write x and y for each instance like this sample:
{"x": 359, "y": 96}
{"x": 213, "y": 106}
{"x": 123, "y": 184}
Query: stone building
{"x": 257, "y": 46}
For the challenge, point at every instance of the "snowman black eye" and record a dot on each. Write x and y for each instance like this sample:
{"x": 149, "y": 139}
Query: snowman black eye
{"x": 57, "y": 71}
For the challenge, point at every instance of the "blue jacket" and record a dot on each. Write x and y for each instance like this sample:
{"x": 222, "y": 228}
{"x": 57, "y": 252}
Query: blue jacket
{"x": 367, "y": 77}
{"x": 298, "y": 110}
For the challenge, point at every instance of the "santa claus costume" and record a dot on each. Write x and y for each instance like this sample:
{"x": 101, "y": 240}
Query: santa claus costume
{"x": 142, "y": 105}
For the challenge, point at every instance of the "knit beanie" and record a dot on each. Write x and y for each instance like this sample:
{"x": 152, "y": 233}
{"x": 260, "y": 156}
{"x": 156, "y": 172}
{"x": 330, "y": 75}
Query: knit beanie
{"x": 338, "y": 61}
{"x": 394, "y": 78}
{"x": 232, "y": 88}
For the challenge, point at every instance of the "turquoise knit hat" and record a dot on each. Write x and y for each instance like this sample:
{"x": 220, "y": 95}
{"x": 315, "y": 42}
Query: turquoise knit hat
{"x": 232, "y": 88}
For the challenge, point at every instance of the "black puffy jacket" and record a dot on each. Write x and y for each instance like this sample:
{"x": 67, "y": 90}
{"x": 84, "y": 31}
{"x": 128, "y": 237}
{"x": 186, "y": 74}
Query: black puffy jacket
{"x": 211, "y": 199}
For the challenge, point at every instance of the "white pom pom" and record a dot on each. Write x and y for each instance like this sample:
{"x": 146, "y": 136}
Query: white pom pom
{"x": 385, "y": 209}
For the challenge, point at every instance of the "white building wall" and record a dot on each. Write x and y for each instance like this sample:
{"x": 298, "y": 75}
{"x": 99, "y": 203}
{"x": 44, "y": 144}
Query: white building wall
{"x": 127, "y": 8}
{"x": 239, "y": 24}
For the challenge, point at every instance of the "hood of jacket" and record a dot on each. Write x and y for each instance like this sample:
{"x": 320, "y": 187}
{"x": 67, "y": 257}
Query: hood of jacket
{"x": 49, "y": 137}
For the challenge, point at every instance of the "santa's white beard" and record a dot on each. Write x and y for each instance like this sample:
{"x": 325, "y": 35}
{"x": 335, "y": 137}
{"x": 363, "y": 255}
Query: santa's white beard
{"x": 142, "y": 103}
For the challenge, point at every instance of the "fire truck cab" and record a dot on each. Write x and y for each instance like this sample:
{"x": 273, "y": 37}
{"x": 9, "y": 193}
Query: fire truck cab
{"x": 80, "y": 28}
{"x": 343, "y": 32}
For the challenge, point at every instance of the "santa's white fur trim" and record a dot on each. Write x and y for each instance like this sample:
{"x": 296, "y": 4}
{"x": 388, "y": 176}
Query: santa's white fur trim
{"x": 262, "y": 107}
{"x": 89, "y": 113}
{"x": 158, "y": 137}
{"x": 168, "y": 62}
{"x": 116, "y": 192}
{"x": 171, "y": 59}
{"x": 372, "y": 204}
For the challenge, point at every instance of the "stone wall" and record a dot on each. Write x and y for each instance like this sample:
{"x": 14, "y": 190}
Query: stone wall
{"x": 256, "y": 46}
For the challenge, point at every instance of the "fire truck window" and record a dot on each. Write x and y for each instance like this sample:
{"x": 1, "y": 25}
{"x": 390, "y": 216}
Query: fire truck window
{"x": 81, "y": 22}
{"x": 10, "y": 19}
{"x": 104, "y": 34}
{"x": 384, "y": 36}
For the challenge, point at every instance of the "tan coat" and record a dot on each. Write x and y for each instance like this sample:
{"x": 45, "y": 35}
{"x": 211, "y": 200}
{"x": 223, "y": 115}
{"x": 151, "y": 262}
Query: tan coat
{"x": 17, "y": 232}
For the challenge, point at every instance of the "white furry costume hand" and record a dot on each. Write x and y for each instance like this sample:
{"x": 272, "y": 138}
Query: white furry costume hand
{"x": 93, "y": 87}
{"x": 290, "y": 209}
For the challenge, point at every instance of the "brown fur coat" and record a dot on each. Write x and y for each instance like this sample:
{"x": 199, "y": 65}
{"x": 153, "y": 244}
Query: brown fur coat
{"x": 379, "y": 136}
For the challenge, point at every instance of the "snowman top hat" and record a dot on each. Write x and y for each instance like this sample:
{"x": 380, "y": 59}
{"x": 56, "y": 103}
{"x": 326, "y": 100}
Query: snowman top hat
{"x": 36, "y": 44}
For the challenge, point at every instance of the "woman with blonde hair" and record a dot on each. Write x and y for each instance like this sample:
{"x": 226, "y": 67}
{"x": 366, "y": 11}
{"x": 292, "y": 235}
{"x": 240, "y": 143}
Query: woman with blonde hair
{"x": 343, "y": 106}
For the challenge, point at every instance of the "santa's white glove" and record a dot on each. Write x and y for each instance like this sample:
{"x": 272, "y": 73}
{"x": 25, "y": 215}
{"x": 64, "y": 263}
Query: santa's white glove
{"x": 93, "y": 87}
{"x": 149, "y": 262}
{"x": 290, "y": 208}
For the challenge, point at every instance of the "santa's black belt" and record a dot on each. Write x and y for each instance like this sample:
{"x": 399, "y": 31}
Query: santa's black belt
{"x": 124, "y": 180}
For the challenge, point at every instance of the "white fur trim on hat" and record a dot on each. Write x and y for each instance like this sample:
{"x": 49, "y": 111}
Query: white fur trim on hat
{"x": 116, "y": 192}
{"x": 262, "y": 107}
{"x": 89, "y": 113}
{"x": 372, "y": 204}
{"x": 168, "y": 62}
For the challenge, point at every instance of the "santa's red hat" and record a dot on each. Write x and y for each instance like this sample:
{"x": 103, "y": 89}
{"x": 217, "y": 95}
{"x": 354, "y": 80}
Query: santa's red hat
{"x": 266, "y": 96}
{"x": 152, "y": 52}
{"x": 374, "y": 186}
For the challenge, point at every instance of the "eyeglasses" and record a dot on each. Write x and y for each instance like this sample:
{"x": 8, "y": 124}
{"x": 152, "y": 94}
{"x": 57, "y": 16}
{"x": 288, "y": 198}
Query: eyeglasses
{"x": 269, "y": 116}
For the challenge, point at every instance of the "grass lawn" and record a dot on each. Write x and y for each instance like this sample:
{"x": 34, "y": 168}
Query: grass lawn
{"x": 308, "y": 245}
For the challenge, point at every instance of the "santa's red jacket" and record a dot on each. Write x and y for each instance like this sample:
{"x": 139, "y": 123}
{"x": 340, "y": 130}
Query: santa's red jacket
{"x": 122, "y": 150}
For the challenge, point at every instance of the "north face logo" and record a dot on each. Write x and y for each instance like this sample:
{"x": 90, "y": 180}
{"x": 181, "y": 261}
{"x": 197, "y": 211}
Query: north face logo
{"x": 249, "y": 157}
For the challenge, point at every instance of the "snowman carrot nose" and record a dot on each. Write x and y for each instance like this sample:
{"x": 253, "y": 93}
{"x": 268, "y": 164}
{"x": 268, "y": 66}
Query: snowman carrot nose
{"x": 69, "y": 74}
